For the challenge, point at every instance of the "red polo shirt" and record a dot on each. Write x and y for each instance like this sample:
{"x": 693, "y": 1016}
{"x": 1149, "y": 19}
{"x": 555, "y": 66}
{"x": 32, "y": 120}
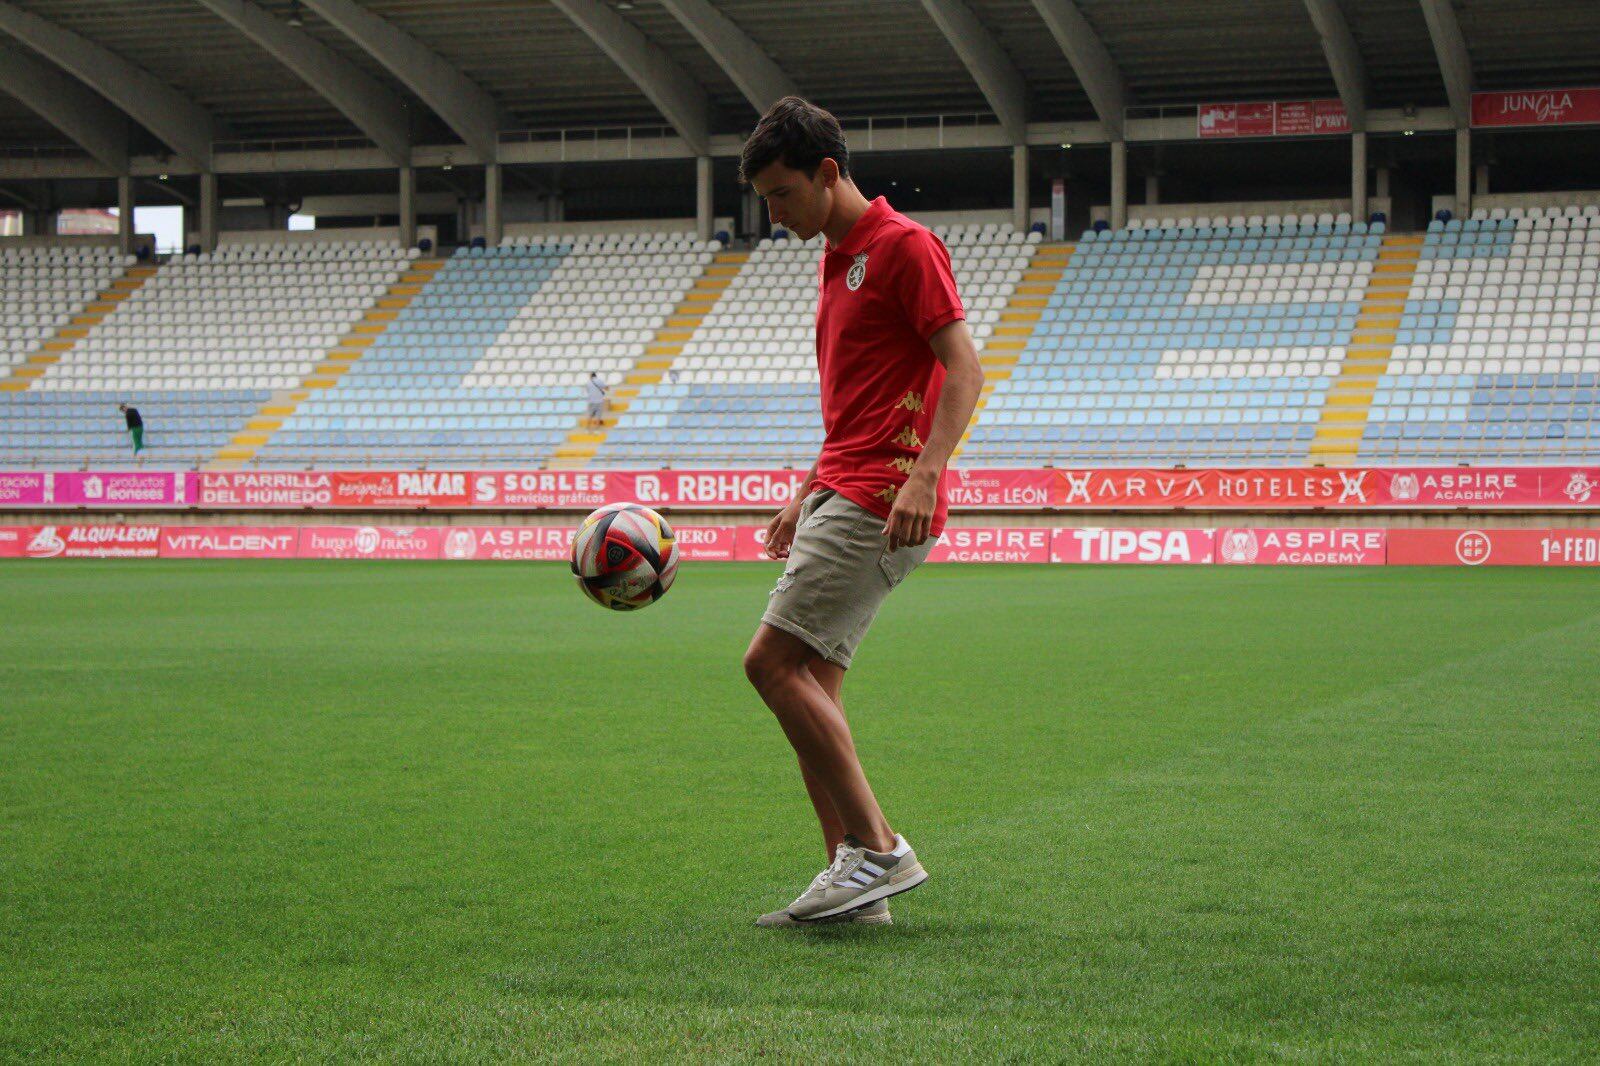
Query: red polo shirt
{"x": 882, "y": 293}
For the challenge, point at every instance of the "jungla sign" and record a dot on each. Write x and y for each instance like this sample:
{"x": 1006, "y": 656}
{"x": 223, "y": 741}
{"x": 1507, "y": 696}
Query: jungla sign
{"x": 1538, "y": 107}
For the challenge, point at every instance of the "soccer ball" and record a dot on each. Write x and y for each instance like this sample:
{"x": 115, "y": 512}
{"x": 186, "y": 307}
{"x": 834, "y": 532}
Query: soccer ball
{"x": 624, "y": 556}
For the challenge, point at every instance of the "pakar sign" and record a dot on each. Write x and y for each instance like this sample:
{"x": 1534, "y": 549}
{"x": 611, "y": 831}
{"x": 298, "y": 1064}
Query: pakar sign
{"x": 1536, "y": 107}
{"x": 1272, "y": 118}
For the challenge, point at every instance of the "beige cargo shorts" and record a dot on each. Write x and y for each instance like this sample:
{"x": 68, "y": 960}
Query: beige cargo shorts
{"x": 839, "y": 573}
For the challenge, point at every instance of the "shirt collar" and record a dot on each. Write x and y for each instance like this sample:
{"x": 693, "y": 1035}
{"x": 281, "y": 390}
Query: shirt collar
{"x": 864, "y": 227}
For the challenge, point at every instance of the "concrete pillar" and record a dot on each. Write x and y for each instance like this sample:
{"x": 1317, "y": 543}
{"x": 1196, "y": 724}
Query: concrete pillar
{"x": 493, "y": 227}
{"x": 1119, "y": 184}
{"x": 1463, "y": 172}
{"x": 209, "y": 206}
{"x": 751, "y": 213}
{"x": 1358, "y": 177}
{"x": 39, "y": 222}
{"x": 1382, "y": 174}
{"x": 408, "y": 206}
{"x": 702, "y": 197}
{"x": 1152, "y": 188}
{"x": 1481, "y": 186}
{"x": 1019, "y": 187}
{"x": 125, "y": 213}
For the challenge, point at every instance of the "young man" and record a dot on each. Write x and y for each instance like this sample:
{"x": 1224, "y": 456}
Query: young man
{"x": 900, "y": 380}
{"x": 131, "y": 416}
{"x": 597, "y": 398}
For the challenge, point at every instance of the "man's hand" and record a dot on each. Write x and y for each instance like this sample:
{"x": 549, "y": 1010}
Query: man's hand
{"x": 911, "y": 517}
{"x": 780, "y": 531}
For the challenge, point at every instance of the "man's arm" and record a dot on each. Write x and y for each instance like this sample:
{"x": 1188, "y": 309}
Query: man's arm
{"x": 780, "y": 531}
{"x": 911, "y": 518}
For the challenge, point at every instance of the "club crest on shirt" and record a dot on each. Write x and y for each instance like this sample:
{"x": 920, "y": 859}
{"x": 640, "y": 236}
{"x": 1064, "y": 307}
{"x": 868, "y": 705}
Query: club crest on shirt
{"x": 858, "y": 273}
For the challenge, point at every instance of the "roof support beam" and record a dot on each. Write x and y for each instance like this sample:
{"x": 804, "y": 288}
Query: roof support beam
{"x": 998, "y": 78}
{"x": 185, "y": 126}
{"x": 682, "y": 102}
{"x": 376, "y": 111}
{"x": 1344, "y": 59}
{"x": 91, "y": 123}
{"x": 1455, "y": 64}
{"x": 1086, "y": 53}
{"x": 464, "y": 106}
{"x": 760, "y": 78}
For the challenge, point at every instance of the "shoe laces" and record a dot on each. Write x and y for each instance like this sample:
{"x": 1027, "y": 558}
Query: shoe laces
{"x": 846, "y": 860}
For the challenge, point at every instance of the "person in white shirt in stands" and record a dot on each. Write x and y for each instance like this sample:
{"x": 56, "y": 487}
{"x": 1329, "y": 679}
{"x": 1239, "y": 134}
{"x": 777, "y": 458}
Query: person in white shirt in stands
{"x": 597, "y": 398}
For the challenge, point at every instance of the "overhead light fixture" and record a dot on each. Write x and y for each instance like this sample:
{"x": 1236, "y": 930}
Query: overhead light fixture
{"x": 1066, "y": 144}
{"x": 917, "y": 189}
{"x": 447, "y": 163}
{"x": 1409, "y": 133}
{"x": 624, "y": 5}
{"x": 295, "y": 18}
{"x": 161, "y": 177}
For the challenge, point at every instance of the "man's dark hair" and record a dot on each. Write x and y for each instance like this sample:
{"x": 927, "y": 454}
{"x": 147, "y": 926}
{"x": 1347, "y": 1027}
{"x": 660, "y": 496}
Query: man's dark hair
{"x": 798, "y": 134}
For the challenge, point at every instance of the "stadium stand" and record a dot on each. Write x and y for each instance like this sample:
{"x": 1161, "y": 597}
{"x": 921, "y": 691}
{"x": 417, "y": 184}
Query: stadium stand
{"x": 1498, "y": 355}
{"x": 490, "y": 357}
{"x": 198, "y": 347}
{"x": 1260, "y": 339}
{"x": 45, "y": 288}
{"x": 745, "y": 386}
{"x": 1194, "y": 340}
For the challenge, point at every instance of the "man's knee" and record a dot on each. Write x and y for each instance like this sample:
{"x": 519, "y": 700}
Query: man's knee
{"x": 768, "y": 663}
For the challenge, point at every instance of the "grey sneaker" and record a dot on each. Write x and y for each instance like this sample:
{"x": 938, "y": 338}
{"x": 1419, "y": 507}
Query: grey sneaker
{"x": 857, "y": 878}
{"x": 872, "y": 914}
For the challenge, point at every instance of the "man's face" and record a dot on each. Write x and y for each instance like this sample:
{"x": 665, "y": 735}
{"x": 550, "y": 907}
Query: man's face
{"x": 798, "y": 203}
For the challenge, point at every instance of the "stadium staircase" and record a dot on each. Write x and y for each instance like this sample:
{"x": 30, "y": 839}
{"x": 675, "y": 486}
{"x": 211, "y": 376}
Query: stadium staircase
{"x": 1017, "y": 323}
{"x": 24, "y": 374}
{"x": 585, "y": 440}
{"x": 1349, "y": 399}
{"x": 259, "y": 430}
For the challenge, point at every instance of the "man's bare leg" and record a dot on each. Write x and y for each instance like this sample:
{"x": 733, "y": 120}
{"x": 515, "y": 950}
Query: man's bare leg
{"x": 831, "y": 677}
{"x": 777, "y": 665}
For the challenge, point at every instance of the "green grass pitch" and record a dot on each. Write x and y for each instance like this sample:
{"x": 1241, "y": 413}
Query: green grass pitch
{"x": 444, "y": 810}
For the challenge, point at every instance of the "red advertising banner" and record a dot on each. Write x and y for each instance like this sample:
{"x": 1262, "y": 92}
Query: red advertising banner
{"x": 1494, "y": 547}
{"x": 992, "y": 490}
{"x": 1093, "y": 544}
{"x": 386, "y": 490}
{"x": 1310, "y": 546}
{"x": 1352, "y": 488}
{"x": 522, "y": 543}
{"x": 750, "y": 544}
{"x": 93, "y": 542}
{"x": 1537, "y": 107}
{"x": 14, "y": 539}
{"x": 1266, "y": 118}
{"x": 707, "y": 544}
{"x": 371, "y": 542}
{"x": 1331, "y": 546}
{"x": 266, "y": 490}
{"x": 229, "y": 542}
{"x": 23, "y": 489}
{"x": 992, "y": 544}
{"x": 519, "y": 543}
{"x": 1268, "y": 488}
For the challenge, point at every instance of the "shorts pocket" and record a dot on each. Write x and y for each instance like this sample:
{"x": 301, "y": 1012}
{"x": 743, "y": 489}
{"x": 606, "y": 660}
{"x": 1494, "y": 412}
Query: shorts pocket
{"x": 897, "y": 565}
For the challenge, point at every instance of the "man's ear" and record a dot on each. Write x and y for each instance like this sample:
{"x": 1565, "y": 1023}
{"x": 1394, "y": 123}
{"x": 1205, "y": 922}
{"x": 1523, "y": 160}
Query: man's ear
{"x": 829, "y": 170}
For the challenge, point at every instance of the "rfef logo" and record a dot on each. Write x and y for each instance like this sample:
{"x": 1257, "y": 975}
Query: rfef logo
{"x": 1473, "y": 547}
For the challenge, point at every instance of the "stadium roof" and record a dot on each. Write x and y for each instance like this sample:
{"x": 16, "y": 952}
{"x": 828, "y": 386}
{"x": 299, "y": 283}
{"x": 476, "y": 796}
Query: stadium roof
{"x": 440, "y": 72}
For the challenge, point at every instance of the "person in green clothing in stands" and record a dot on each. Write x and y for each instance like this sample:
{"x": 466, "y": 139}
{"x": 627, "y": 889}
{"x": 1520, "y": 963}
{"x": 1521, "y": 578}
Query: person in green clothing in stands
{"x": 135, "y": 426}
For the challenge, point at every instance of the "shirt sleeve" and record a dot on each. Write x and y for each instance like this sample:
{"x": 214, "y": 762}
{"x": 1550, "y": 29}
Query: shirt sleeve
{"x": 927, "y": 287}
